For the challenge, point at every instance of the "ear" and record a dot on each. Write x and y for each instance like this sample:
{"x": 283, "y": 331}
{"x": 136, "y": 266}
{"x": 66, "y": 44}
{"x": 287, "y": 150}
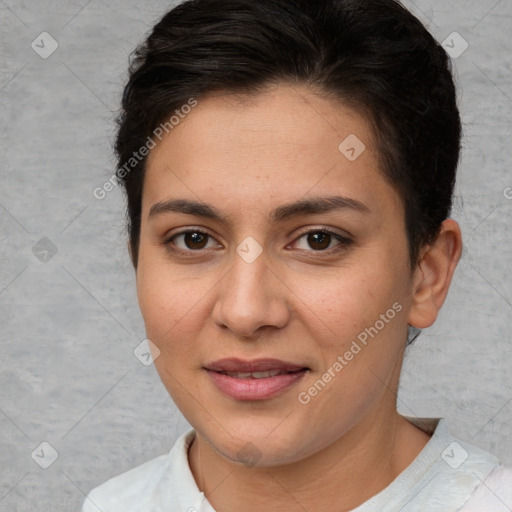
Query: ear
{"x": 433, "y": 275}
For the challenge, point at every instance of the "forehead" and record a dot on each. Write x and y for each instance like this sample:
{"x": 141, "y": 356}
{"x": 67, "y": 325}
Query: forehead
{"x": 285, "y": 142}
{"x": 281, "y": 115}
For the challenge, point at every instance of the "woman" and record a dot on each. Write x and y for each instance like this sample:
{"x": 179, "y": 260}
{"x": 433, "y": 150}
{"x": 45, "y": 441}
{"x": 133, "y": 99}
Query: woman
{"x": 289, "y": 169}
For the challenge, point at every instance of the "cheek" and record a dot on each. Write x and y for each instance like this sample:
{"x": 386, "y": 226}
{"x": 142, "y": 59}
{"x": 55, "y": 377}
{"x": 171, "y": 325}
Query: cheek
{"x": 171, "y": 321}
{"x": 351, "y": 302}
{"x": 157, "y": 296}
{"x": 153, "y": 297}
{"x": 172, "y": 304}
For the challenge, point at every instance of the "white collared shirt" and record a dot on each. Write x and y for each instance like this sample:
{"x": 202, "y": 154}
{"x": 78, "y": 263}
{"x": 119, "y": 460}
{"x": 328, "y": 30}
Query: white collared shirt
{"x": 448, "y": 475}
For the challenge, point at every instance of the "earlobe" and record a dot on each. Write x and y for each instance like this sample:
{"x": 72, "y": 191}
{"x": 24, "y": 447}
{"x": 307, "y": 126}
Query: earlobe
{"x": 433, "y": 275}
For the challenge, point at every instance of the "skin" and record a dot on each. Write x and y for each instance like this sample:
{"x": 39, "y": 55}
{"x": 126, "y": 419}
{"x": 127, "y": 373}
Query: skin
{"x": 298, "y": 301}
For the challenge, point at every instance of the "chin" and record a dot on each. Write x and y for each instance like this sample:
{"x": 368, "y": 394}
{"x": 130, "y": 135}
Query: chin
{"x": 255, "y": 447}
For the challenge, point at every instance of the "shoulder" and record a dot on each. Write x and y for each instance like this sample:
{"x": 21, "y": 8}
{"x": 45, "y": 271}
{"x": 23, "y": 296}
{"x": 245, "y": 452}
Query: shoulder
{"x": 151, "y": 486}
{"x": 128, "y": 489}
{"x": 494, "y": 494}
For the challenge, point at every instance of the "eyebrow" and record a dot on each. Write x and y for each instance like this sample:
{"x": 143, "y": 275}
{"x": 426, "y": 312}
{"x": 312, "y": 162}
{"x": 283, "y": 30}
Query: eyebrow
{"x": 311, "y": 206}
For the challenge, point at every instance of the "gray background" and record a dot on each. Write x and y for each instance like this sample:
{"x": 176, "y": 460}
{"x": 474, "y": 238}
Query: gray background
{"x": 70, "y": 320}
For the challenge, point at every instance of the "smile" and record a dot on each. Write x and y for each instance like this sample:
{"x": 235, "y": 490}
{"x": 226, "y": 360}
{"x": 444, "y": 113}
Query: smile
{"x": 254, "y": 375}
{"x": 243, "y": 386}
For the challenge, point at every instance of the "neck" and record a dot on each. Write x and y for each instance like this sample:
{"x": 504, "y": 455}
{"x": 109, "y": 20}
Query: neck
{"x": 341, "y": 477}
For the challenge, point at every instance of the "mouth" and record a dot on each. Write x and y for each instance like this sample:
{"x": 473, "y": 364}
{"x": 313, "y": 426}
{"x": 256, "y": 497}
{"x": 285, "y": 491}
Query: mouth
{"x": 256, "y": 375}
{"x": 254, "y": 380}
{"x": 234, "y": 365}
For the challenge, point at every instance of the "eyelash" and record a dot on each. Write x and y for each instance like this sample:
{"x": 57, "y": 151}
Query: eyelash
{"x": 344, "y": 241}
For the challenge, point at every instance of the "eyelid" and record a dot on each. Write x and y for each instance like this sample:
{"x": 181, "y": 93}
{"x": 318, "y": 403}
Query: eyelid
{"x": 325, "y": 229}
{"x": 343, "y": 239}
{"x": 190, "y": 229}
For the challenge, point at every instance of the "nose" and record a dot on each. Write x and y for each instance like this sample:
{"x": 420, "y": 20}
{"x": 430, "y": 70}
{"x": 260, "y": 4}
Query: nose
{"x": 251, "y": 297}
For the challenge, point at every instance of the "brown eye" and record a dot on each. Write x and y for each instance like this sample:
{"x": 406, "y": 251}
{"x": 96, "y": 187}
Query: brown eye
{"x": 192, "y": 240}
{"x": 195, "y": 239}
{"x": 320, "y": 240}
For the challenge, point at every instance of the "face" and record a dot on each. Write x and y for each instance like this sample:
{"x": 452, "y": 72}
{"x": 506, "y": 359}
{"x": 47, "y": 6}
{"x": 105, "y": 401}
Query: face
{"x": 317, "y": 294}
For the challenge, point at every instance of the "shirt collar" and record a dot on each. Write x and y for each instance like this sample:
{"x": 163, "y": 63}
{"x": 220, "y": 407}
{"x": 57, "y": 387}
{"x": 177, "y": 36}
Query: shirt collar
{"x": 434, "y": 459}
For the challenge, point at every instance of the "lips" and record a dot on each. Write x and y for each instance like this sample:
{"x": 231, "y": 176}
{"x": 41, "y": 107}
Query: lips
{"x": 254, "y": 380}
{"x": 257, "y": 365}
